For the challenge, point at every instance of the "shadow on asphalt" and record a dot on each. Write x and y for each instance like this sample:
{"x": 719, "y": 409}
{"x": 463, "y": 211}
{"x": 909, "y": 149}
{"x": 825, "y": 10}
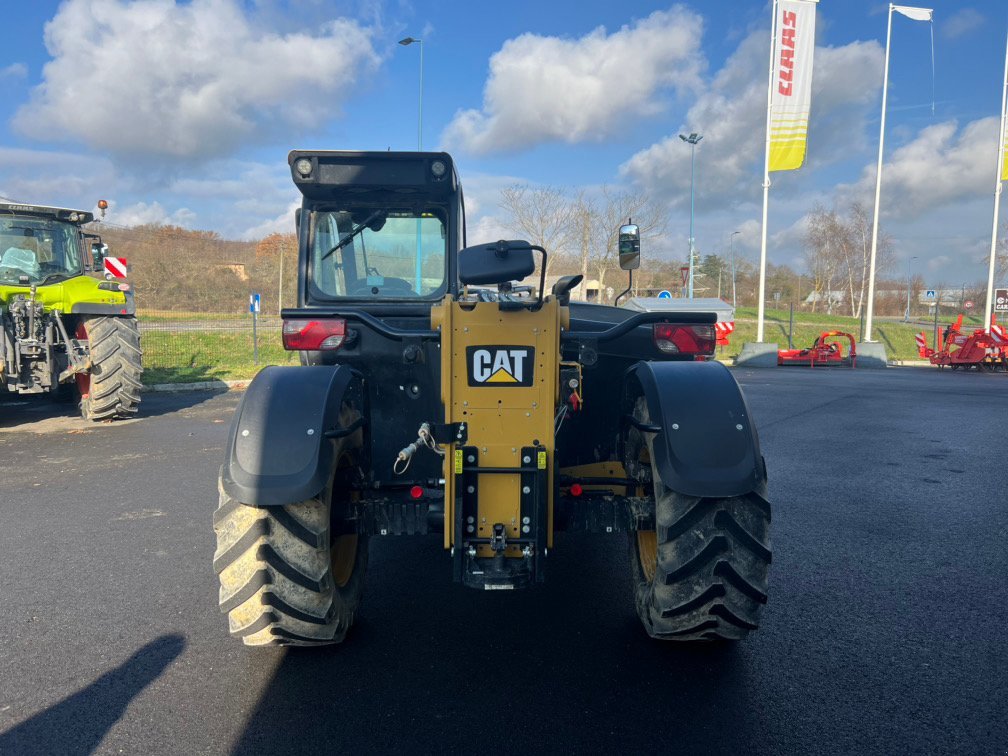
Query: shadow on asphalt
{"x": 16, "y": 411}
{"x": 434, "y": 667}
{"x": 78, "y": 723}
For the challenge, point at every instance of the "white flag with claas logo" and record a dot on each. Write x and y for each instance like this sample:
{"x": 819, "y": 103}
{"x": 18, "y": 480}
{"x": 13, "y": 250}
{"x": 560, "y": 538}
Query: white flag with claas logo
{"x": 791, "y": 88}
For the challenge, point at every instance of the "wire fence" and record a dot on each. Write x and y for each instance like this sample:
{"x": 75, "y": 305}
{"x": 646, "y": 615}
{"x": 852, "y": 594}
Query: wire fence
{"x": 209, "y": 346}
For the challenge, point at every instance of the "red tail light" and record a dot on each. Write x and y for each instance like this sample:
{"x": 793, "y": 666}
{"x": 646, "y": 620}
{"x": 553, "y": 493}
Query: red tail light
{"x": 672, "y": 338}
{"x": 314, "y": 335}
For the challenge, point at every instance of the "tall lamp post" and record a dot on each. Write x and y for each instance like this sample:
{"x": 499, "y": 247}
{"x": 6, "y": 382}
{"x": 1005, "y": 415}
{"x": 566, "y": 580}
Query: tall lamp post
{"x": 418, "y": 273}
{"x": 406, "y": 43}
{"x": 692, "y": 140}
{"x": 906, "y": 315}
{"x": 731, "y": 245}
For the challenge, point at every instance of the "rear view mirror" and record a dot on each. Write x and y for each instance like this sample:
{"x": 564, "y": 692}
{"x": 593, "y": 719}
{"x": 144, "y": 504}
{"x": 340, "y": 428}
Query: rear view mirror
{"x": 629, "y": 247}
{"x": 98, "y": 252}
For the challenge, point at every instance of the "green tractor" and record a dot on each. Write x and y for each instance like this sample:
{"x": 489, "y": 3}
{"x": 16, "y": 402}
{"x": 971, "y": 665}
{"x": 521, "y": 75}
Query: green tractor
{"x": 64, "y": 332}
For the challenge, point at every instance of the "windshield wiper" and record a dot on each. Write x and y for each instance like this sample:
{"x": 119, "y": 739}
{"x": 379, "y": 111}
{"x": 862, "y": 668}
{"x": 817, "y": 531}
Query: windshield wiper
{"x": 349, "y": 237}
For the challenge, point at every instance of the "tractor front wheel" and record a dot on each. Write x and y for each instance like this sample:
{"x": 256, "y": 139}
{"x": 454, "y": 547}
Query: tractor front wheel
{"x": 702, "y": 573}
{"x": 111, "y": 389}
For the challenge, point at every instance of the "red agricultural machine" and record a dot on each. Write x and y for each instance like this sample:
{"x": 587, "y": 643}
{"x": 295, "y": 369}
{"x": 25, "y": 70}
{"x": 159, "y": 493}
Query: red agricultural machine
{"x": 827, "y": 349}
{"x": 977, "y": 351}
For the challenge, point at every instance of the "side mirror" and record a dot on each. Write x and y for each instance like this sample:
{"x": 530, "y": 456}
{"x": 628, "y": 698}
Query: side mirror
{"x": 629, "y": 247}
{"x": 98, "y": 252}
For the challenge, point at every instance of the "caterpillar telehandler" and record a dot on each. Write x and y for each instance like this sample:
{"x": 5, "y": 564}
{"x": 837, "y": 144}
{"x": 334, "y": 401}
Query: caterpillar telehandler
{"x": 64, "y": 332}
{"x": 437, "y": 394}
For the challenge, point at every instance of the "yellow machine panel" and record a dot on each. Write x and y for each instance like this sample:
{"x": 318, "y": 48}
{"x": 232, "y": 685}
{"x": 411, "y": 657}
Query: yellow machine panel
{"x": 499, "y": 376}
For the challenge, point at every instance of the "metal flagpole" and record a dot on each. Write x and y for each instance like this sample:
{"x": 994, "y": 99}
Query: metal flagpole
{"x": 766, "y": 180}
{"x": 997, "y": 198}
{"x": 878, "y": 185}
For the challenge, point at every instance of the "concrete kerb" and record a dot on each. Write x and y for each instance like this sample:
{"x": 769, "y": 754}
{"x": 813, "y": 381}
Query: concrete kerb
{"x": 198, "y": 386}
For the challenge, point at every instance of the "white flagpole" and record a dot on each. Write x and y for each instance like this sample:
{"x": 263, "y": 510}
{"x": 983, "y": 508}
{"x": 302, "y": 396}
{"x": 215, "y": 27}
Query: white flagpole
{"x": 997, "y": 198}
{"x": 766, "y": 180}
{"x": 878, "y": 185}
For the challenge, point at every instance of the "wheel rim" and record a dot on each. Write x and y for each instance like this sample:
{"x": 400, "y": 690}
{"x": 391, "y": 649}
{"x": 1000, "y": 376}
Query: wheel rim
{"x": 83, "y": 379}
{"x": 647, "y": 553}
{"x": 343, "y": 557}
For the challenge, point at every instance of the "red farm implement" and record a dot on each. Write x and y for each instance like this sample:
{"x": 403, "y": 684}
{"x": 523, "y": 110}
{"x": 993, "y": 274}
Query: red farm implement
{"x": 978, "y": 351}
{"x": 827, "y": 350}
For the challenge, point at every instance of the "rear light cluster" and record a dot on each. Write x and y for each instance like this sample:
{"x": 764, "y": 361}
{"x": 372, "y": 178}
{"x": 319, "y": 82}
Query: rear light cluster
{"x": 314, "y": 335}
{"x": 674, "y": 338}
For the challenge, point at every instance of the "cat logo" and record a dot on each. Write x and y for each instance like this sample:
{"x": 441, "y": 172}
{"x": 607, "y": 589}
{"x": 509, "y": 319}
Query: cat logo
{"x": 500, "y": 366}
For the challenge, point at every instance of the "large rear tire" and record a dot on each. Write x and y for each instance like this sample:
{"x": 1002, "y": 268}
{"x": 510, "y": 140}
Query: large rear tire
{"x": 111, "y": 390}
{"x": 702, "y": 574}
{"x": 289, "y": 576}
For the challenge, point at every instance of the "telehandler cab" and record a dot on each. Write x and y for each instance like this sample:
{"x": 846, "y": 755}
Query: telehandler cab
{"x": 437, "y": 395}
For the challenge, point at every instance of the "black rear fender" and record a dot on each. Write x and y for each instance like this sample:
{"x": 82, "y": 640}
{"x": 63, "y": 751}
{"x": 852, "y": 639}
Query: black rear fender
{"x": 281, "y": 445}
{"x": 705, "y": 442}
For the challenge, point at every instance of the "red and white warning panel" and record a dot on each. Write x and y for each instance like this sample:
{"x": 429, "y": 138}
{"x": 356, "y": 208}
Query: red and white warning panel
{"x": 115, "y": 267}
{"x": 921, "y": 343}
{"x": 724, "y": 329}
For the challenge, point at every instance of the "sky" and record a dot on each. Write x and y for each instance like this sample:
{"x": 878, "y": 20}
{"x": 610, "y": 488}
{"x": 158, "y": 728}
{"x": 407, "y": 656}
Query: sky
{"x": 183, "y": 112}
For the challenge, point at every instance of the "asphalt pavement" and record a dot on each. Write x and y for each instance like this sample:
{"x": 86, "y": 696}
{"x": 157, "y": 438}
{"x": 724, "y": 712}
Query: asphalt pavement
{"x": 885, "y": 631}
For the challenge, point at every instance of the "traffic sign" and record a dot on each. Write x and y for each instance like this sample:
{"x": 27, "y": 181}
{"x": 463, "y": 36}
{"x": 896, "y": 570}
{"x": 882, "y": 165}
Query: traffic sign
{"x": 930, "y": 294}
{"x": 1000, "y": 300}
{"x": 664, "y": 294}
{"x": 685, "y": 274}
{"x": 968, "y": 304}
{"x": 253, "y": 303}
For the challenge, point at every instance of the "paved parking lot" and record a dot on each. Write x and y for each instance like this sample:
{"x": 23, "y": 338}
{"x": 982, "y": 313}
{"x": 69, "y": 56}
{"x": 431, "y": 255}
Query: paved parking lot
{"x": 885, "y": 631}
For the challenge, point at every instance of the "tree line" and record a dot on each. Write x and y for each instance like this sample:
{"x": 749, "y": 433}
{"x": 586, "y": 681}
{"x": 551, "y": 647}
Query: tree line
{"x": 179, "y": 269}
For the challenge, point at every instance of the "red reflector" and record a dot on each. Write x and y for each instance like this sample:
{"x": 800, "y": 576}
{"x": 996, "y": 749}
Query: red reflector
{"x": 677, "y": 338}
{"x": 576, "y": 490}
{"x": 314, "y": 335}
{"x": 416, "y": 492}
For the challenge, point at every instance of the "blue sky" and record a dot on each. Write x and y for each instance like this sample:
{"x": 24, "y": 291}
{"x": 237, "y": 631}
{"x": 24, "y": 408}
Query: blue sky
{"x": 183, "y": 112}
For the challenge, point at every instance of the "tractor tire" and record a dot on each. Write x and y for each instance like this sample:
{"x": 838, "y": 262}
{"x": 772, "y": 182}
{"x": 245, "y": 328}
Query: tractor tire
{"x": 289, "y": 576}
{"x": 702, "y": 575}
{"x": 111, "y": 390}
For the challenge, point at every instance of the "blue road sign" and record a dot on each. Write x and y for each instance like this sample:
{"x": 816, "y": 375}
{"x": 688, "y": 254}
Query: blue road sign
{"x": 930, "y": 294}
{"x": 253, "y": 303}
{"x": 664, "y": 294}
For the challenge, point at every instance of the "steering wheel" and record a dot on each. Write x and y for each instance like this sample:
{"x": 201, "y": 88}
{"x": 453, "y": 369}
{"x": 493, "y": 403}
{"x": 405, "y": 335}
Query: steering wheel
{"x": 397, "y": 285}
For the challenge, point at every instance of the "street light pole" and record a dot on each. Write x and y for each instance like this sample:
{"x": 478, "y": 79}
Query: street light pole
{"x": 418, "y": 272}
{"x": 692, "y": 141}
{"x": 405, "y": 43}
{"x": 731, "y": 244}
{"x": 906, "y": 316}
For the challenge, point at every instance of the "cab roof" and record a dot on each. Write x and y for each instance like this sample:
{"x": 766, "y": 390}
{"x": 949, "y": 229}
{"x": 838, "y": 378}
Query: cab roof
{"x": 60, "y": 213}
{"x": 332, "y": 172}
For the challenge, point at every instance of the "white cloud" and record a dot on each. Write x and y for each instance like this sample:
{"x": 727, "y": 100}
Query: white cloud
{"x": 731, "y": 115}
{"x": 941, "y": 165}
{"x": 143, "y": 213}
{"x": 54, "y": 178}
{"x": 185, "y": 80}
{"x": 14, "y": 71}
{"x": 962, "y": 22}
{"x": 548, "y": 89}
{"x": 281, "y": 224}
{"x": 486, "y": 229}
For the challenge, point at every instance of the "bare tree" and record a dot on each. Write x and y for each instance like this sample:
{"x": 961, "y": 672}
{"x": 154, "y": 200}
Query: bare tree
{"x": 822, "y": 235}
{"x": 614, "y": 209}
{"x": 542, "y": 215}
